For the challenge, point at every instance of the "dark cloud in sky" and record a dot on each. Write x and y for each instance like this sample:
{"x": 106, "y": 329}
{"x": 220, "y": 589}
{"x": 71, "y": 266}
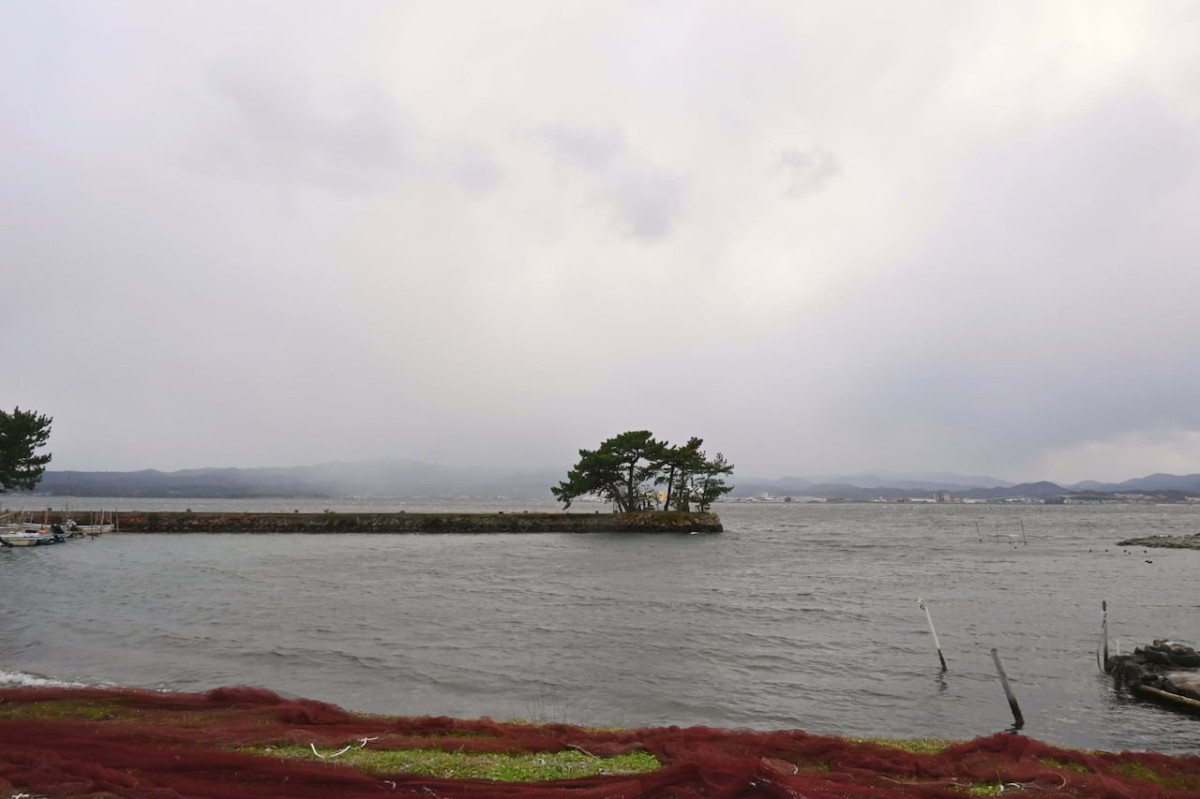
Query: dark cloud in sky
{"x": 277, "y": 130}
{"x": 641, "y": 199}
{"x": 826, "y": 239}
{"x": 586, "y": 149}
{"x": 806, "y": 170}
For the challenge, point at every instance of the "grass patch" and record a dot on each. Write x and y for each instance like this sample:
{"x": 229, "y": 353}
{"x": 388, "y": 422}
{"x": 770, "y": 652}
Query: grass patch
{"x": 539, "y": 767}
{"x": 916, "y": 746}
{"x": 88, "y": 711}
{"x": 1138, "y": 771}
{"x": 985, "y": 789}
{"x": 1049, "y": 762}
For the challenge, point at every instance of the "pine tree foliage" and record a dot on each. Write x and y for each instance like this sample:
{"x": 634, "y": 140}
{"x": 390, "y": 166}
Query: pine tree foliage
{"x": 625, "y": 469}
{"x": 22, "y": 433}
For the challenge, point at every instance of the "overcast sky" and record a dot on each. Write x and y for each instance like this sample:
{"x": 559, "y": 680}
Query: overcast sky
{"x": 826, "y": 237}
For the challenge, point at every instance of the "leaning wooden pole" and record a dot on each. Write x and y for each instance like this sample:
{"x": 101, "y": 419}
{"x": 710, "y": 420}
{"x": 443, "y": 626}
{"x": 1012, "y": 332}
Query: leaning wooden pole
{"x": 1008, "y": 692}
{"x": 1104, "y": 635}
{"x": 921, "y": 604}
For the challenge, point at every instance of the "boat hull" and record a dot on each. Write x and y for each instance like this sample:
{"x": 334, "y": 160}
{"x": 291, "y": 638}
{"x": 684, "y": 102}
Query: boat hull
{"x": 32, "y": 539}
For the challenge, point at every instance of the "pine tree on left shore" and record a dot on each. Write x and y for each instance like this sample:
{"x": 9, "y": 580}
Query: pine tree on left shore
{"x": 22, "y": 433}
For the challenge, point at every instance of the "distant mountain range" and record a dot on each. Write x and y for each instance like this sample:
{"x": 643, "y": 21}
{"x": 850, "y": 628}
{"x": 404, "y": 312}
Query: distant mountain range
{"x": 384, "y": 477}
{"x": 866, "y": 487}
{"x": 405, "y": 478}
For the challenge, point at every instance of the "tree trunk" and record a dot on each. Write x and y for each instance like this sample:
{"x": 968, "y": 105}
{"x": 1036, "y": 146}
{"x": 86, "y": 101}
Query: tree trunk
{"x": 670, "y": 484}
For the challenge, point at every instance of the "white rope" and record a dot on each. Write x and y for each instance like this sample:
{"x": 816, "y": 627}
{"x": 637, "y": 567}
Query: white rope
{"x": 341, "y": 751}
{"x": 362, "y": 744}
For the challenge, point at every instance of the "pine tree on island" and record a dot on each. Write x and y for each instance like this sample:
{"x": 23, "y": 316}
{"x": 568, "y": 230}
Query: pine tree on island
{"x": 624, "y": 470}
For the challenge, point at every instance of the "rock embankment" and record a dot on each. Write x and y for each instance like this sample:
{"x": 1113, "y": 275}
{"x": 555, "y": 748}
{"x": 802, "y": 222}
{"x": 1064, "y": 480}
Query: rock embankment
{"x": 1164, "y": 541}
{"x": 330, "y": 522}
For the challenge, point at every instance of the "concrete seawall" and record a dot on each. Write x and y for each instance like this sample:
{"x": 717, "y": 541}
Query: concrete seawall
{"x": 208, "y": 522}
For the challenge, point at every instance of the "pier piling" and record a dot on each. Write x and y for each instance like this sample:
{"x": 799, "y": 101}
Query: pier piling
{"x": 921, "y": 604}
{"x": 1008, "y": 692}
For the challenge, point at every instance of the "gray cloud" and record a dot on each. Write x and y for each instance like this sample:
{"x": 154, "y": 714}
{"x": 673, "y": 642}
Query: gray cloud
{"x": 645, "y": 201}
{"x": 642, "y": 200}
{"x": 587, "y": 149}
{"x": 806, "y": 171}
{"x": 275, "y": 129}
{"x": 280, "y": 129}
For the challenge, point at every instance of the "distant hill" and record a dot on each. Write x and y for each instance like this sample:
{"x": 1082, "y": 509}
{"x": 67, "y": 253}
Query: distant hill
{"x": 864, "y": 486}
{"x": 1039, "y": 490}
{"x": 405, "y": 478}
{"x": 385, "y": 477}
{"x": 1154, "y": 482}
{"x": 932, "y": 481}
{"x": 867, "y": 487}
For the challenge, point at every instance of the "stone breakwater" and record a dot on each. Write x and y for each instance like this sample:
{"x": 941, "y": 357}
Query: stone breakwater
{"x": 1164, "y": 541}
{"x": 329, "y": 522}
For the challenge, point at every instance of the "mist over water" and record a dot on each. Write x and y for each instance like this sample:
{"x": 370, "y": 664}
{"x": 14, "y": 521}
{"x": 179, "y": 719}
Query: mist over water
{"x": 798, "y": 616}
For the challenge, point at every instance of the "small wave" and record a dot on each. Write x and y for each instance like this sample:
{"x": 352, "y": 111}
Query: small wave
{"x": 19, "y": 679}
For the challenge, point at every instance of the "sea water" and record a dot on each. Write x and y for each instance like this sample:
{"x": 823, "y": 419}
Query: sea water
{"x": 798, "y": 616}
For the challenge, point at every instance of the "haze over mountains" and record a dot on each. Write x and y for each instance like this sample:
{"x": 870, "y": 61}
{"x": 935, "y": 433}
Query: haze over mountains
{"x": 402, "y": 477}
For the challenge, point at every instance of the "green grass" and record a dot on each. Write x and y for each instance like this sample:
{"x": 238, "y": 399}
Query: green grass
{"x": 90, "y": 711}
{"x": 568, "y": 764}
{"x": 916, "y": 746}
{"x": 1052, "y": 763}
{"x": 1139, "y": 771}
{"x": 87, "y": 710}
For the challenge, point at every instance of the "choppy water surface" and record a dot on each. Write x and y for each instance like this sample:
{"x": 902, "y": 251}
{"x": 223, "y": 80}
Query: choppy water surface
{"x": 798, "y": 616}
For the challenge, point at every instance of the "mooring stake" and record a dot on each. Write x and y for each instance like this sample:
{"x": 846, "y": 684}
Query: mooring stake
{"x": 1104, "y": 635}
{"x": 921, "y": 604}
{"x": 1008, "y": 691}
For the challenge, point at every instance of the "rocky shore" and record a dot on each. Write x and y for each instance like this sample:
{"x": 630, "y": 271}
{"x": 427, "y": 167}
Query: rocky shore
{"x": 330, "y": 522}
{"x": 1164, "y": 541}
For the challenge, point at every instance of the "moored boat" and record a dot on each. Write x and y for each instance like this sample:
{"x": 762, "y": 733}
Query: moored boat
{"x": 60, "y": 523}
{"x": 93, "y": 529}
{"x": 99, "y": 525}
{"x": 33, "y": 538}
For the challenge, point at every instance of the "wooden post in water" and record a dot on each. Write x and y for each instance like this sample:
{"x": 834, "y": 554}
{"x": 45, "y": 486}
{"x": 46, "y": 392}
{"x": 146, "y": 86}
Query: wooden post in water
{"x": 921, "y": 604}
{"x": 1008, "y": 691}
{"x": 1104, "y": 635}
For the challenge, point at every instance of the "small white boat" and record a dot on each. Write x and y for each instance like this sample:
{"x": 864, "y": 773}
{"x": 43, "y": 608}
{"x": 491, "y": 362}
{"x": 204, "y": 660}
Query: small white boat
{"x": 92, "y": 529}
{"x": 99, "y": 525}
{"x": 33, "y": 538}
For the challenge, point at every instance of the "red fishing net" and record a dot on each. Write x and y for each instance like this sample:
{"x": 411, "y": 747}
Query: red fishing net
{"x": 93, "y": 743}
